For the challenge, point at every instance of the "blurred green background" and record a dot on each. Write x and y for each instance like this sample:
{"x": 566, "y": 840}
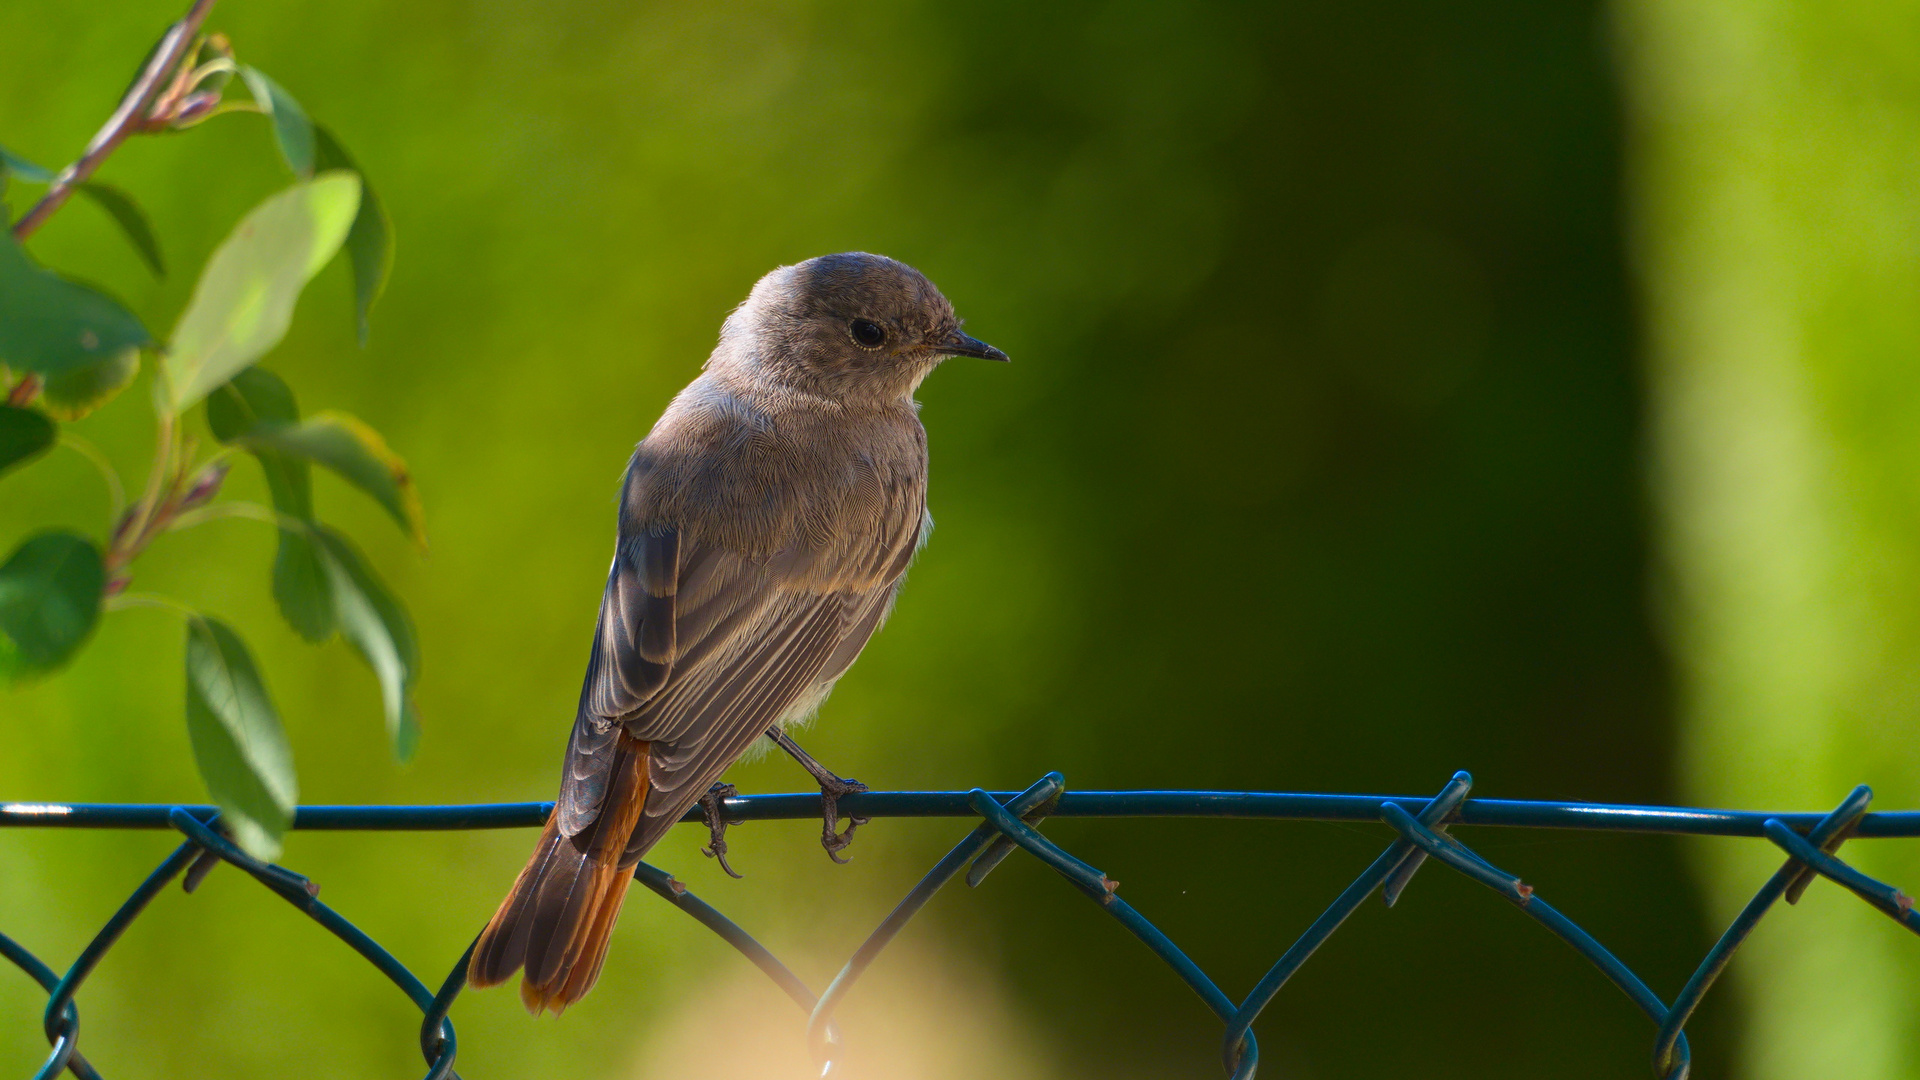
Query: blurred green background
{"x": 1399, "y": 387}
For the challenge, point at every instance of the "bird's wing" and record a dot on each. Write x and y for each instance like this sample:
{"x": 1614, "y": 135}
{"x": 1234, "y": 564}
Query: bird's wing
{"x": 723, "y": 709}
{"x": 699, "y": 650}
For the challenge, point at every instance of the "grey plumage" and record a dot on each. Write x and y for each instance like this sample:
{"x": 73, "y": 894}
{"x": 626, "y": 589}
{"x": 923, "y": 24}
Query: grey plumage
{"x": 765, "y": 526}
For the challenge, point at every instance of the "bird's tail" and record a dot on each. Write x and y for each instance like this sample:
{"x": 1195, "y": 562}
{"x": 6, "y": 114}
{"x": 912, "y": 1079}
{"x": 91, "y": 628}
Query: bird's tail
{"x": 559, "y": 916}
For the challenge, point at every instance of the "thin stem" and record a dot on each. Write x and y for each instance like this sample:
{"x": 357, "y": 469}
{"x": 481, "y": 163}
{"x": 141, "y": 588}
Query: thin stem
{"x": 226, "y": 107}
{"x": 162, "y": 464}
{"x": 214, "y": 66}
{"x": 217, "y": 456}
{"x": 149, "y": 600}
{"x": 128, "y": 118}
{"x": 130, "y": 539}
{"x": 247, "y": 510}
{"x": 116, "y": 492}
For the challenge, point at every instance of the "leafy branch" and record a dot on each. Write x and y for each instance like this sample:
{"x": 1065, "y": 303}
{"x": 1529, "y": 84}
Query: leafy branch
{"x": 67, "y": 348}
{"x": 138, "y": 112}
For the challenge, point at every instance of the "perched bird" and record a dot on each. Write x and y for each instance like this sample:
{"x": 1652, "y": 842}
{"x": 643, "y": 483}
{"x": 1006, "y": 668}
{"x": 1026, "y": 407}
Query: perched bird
{"x": 765, "y": 524}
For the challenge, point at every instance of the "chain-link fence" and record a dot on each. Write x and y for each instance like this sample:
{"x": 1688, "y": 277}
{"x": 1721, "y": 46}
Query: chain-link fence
{"x": 1010, "y": 820}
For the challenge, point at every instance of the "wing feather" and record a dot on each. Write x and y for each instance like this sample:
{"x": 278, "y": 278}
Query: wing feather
{"x": 737, "y": 710}
{"x": 699, "y": 650}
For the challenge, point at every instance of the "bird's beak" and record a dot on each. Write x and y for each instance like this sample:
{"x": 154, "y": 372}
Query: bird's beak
{"x": 959, "y": 344}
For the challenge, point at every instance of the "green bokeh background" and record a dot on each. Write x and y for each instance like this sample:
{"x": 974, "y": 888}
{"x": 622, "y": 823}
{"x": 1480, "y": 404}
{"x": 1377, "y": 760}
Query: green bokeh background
{"x": 1390, "y": 379}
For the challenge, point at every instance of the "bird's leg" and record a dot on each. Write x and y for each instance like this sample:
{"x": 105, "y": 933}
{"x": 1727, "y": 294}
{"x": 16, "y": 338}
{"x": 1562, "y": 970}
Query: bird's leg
{"x": 717, "y": 825}
{"x": 831, "y": 788}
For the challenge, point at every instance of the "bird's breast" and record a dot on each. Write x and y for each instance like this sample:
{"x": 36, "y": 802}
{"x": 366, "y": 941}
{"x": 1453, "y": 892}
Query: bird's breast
{"x": 829, "y": 495}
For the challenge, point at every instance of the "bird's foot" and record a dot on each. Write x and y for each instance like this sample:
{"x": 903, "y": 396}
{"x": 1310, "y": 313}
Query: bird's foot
{"x": 710, "y": 806}
{"x": 831, "y": 789}
{"x": 831, "y": 838}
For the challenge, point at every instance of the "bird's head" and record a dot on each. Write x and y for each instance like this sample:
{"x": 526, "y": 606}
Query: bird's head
{"x": 846, "y": 326}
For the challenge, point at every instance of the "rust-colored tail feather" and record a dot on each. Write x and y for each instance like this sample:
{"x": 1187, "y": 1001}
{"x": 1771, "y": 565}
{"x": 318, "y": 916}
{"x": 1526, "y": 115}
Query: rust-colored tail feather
{"x": 558, "y": 918}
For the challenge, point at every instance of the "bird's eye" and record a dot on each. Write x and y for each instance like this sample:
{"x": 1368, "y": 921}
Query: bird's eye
{"x": 867, "y": 335}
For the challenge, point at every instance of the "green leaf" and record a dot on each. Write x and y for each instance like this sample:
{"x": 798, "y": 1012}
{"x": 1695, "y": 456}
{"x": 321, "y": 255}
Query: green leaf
{"x": 300, "y": 586}
{"x": 291, "y": 128}
{"x": 244, "y": 300}
{"x": 377, "y": 626}
{"x": 356, "y": 452}
{"x": 24, "y": 433}
{"x": 73, "y": 394}
{"x": 253, "y": 397}
{"x": 237, "y": 739}
{"x": 370, "y": 241}
{"x": 50, "y": 594}
{"x": 24, "y": 169}
{"x": 132, "y": 220}
{"x": 257, "y": 398}
{"x": 51, "y": 325}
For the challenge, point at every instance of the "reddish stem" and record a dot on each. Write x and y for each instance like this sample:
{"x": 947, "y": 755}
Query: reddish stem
{"x": 126, "y": 120}
{"x": 24, "y": 391}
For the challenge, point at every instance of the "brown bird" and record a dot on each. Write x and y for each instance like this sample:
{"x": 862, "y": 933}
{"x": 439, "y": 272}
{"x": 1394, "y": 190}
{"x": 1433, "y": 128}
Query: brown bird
{"x": 765, "y": 525}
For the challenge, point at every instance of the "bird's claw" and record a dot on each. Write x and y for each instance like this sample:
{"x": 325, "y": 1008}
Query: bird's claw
{"x": 710, "y": 805}
{"x": 831, "y": 838}
{"x": 831, "y": 789}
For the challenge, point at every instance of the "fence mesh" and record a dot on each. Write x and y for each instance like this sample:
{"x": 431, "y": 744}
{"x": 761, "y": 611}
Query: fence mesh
{"x": 1010, "y": 821}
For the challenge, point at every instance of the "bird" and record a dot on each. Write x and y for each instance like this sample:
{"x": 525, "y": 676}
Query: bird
{"x": 766, "y": 523}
